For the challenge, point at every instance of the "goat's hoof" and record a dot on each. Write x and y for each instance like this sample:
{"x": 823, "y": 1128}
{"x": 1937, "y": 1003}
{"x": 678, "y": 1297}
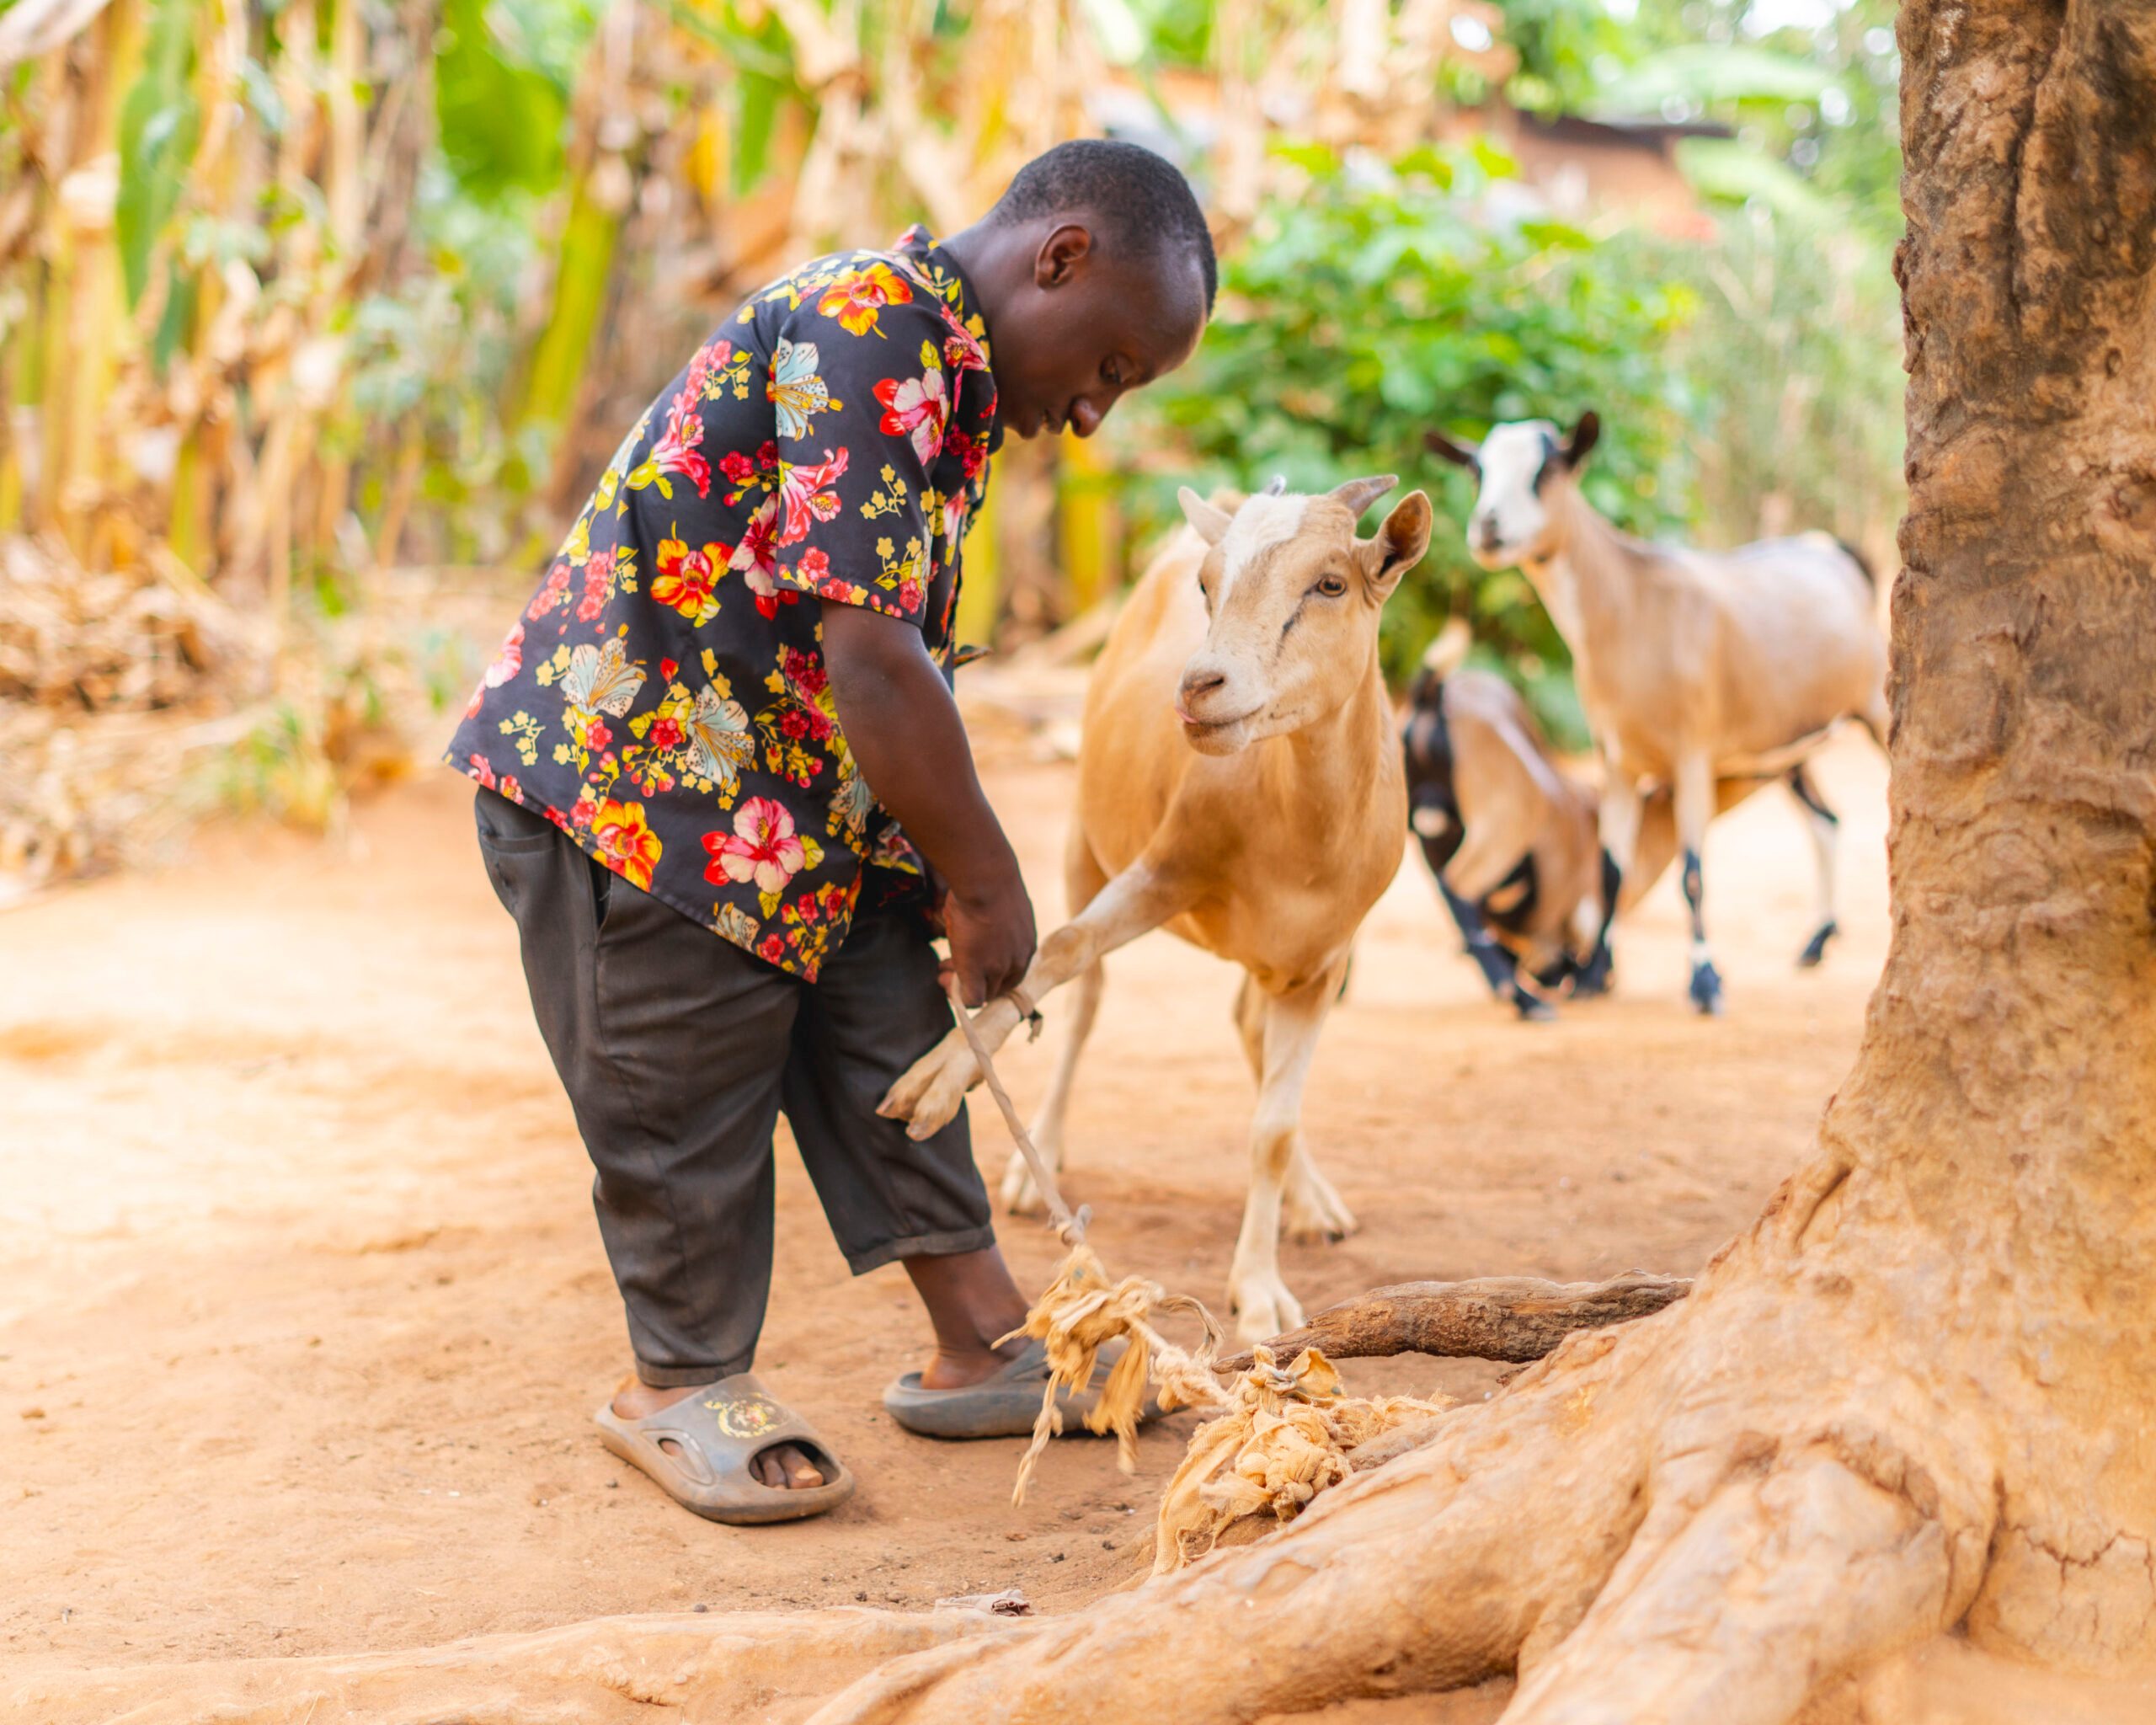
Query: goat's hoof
{"x": 930, "y": 1092}
{"x": 1022, "y": 1192}
{"x": 1595, "y": 977}
{"x": 1815, "y": 949}
{"x": 1311, "y": 1210}
{"x": 1706, "y": 989}
{"x": 1533, "y": 1009}
{"x": 1263, "y": 1308}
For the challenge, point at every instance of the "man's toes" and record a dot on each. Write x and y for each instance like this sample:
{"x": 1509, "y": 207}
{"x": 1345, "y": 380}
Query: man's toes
{"x": 786, "y": 1468}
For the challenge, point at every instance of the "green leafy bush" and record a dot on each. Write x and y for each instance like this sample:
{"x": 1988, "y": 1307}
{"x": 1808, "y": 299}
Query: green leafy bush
{"x": 1387, "y": 299}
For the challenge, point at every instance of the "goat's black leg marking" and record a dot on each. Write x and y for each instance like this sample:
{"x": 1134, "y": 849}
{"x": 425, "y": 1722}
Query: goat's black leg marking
{"x": 1706, "y": 980}
{"x": 1826, "y": 833}
{"x": 1498, "y": 965}
{"x": 1594, "y": 977}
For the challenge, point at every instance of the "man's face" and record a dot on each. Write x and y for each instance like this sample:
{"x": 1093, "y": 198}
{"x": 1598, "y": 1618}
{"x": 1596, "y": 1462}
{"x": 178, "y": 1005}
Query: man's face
{"x": 1088, "y": 329}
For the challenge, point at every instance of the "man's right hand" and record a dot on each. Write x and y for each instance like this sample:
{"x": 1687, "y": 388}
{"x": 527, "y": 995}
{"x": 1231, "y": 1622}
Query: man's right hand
{"x": 992, "y": 938}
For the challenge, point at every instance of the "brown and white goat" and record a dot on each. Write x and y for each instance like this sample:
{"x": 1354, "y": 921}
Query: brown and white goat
{"x": 1509, "y": 834}
{"x": 1238, "y": 784}
{"x": 1699, "y": 670}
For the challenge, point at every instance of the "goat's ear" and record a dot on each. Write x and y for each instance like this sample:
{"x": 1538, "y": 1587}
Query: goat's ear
{"x": 1398, "y": 545}
{"x": 1584, "y": 436}
{"x": 1358, "y": 494}
{"x": 1211, "y": 523}
{"x": 1460, "y": 454}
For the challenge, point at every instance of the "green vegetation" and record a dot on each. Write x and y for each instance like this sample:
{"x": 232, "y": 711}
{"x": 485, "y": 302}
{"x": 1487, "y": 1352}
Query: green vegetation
{"x": 295, "y": 294}
{"x": 1365, "y": 308}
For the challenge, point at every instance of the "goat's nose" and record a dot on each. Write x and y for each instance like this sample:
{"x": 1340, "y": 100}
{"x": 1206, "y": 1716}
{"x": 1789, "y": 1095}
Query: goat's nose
{"x": 1485, "y": 528}
{"x": 1201, "y": 681}
{"x": 1085, "y": 417}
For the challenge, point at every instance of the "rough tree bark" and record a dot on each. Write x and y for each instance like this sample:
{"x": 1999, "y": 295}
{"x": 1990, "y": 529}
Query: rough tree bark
{"x": 1913, "y": 1398}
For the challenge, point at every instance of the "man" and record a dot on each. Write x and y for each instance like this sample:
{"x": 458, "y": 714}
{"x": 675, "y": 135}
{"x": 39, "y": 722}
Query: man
{"x": 748, "y": 628}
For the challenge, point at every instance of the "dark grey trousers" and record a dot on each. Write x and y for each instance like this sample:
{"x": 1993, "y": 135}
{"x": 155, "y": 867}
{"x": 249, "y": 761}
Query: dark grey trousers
{"x": 678, "y": 1050}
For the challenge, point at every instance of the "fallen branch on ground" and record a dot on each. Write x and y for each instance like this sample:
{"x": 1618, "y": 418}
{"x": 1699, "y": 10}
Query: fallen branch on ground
{"x": 1515, "y": 1318}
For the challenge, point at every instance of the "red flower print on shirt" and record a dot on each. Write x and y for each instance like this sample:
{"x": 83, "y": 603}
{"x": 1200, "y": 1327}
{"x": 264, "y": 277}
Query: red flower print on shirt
{"x": 755, "y": 559}
{"x": 803, "y": 490}
{"x": 598, "y": 584}
{"x": 555, "y": 590}
{"x": 962, "y": 348}
{"x": 762, "y": 848}
{"x": 508, "y": 661}
{"x": 917, "y": 408}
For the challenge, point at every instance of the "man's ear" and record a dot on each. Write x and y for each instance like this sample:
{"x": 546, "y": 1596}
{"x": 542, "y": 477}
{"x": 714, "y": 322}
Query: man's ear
{"x": 1211, "y": 524}
{"x": 1060, "y": 255}
{"x": 1585, "y": 436}
{"x": 1398, "y": 545}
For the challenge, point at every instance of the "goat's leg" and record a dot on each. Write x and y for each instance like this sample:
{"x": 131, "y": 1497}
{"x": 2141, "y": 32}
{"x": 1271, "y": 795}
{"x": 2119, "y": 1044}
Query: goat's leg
{"x": 1310, "y": 1208}
{"x": 1083, "y": 878}
{"x": 1494, "y": 962}
{"x": 929, "y": 1093}
{"x": 1695, "y": 808}
{"x": 1619, "y": 820}
{"x": 1287, "y": 1038}
{"x": 1826, "y": 835}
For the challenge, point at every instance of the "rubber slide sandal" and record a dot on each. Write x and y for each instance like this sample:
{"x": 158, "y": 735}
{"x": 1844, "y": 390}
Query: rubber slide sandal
{"x": 1004, "y": 1406}
{"x": 721, "y": 1428}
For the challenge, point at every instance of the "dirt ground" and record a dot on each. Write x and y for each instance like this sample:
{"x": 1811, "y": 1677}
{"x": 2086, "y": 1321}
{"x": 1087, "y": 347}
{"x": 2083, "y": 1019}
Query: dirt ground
{"x": 303, "y": 1313}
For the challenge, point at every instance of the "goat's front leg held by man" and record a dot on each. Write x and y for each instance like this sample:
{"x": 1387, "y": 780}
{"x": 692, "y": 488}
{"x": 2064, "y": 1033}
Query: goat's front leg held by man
{"x": 725, "y": 794}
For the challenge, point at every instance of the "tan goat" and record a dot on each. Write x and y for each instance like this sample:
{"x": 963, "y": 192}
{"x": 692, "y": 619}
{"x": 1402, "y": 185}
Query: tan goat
{"x": 1240, "y": 784}
{"x": 1704, "y": 671}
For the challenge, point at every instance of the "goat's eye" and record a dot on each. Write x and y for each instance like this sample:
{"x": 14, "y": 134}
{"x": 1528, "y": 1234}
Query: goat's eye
{"x": 1332, "y": 586}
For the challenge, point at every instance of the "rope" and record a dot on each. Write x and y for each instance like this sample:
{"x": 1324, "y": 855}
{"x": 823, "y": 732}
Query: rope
{"x": 1070, "y": 1228}
{"x": 1280, "y": 1434}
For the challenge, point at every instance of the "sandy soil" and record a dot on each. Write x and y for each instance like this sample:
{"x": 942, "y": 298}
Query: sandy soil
{"x": 303, "y": 1313}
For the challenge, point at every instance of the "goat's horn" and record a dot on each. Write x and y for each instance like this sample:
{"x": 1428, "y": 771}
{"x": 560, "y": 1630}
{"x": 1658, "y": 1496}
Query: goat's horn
{"x": 1358, "y": 494}
{"x": 1276, "y": 485}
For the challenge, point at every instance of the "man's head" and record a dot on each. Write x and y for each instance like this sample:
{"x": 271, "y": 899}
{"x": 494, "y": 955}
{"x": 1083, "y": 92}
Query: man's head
{"x": 1096, "y": 273}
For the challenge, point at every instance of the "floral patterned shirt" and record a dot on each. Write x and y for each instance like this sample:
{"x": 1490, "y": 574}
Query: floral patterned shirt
{"x": 663, "y": 698}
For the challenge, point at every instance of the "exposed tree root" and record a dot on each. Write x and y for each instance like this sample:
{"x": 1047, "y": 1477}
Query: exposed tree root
{"x": 1619, "y": 1525}
{"x": 1516, "y": 1318}
{"x": 764, "y": 1665}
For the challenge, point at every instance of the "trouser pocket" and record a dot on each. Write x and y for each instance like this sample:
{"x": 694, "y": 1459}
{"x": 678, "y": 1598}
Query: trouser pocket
{"x": 520, "y": 849}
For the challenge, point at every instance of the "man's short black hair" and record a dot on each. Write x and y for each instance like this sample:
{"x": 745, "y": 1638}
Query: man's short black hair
{"x": 1139, "y": 200}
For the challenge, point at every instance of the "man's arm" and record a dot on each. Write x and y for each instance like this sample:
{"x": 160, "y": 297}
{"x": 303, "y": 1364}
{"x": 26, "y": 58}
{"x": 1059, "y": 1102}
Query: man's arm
{"x": 907, "y": 739}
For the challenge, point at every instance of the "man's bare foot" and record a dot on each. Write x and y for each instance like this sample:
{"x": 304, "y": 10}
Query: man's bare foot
{"x": 972, "y": 1302}
{"x": 783, "y": 1466}
{"x": 955, "y": 1369}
